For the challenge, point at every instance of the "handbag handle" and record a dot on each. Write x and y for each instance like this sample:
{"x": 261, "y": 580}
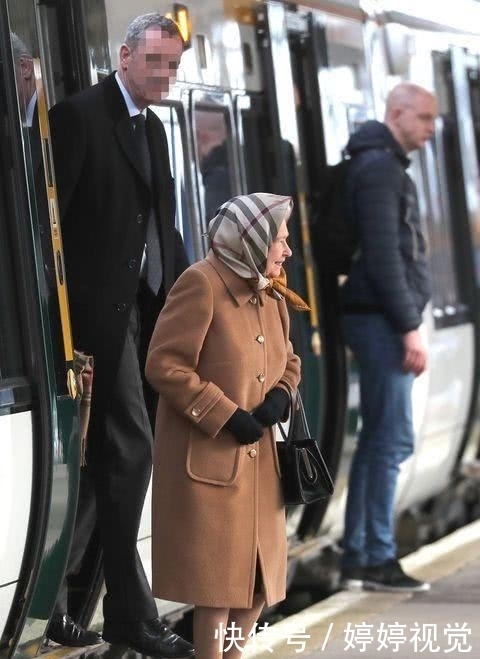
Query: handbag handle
{"x": 295, "y": 406}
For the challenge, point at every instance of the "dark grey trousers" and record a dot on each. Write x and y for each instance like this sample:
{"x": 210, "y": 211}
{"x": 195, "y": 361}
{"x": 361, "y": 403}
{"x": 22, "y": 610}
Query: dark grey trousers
{"x": 112, "y": 492}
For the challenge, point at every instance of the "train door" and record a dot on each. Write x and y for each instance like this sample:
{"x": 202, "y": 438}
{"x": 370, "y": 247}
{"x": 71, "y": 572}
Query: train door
{"x": 38, "y": 422}
{"x": 328, "y": 96}
{"x": 80, "y": 43}
{"x": 331, "y": 74}
{"x": 461, "y": 72}
{"x": 287, "y": 177}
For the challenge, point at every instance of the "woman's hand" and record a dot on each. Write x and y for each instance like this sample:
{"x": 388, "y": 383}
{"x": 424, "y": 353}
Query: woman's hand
{"x": 244, "y": 427}
{"x": 274, "y": 408}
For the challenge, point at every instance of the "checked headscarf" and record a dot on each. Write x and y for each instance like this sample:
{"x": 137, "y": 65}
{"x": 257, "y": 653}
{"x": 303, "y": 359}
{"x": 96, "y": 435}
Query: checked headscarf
{"x": 241, "y": 234}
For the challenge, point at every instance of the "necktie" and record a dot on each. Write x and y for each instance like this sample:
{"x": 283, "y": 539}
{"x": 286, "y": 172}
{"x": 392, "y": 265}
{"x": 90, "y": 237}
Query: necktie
{"x": 153, "y": 274}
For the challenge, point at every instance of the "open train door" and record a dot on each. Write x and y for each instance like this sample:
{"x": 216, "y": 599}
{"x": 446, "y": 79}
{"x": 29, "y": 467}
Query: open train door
{"x": 463, "y": 74}
{"x": 287, "y": 176}
{"x": 39, "y": 433}
{"x": 310, "y": 60}
{"x": 315, "y": 62}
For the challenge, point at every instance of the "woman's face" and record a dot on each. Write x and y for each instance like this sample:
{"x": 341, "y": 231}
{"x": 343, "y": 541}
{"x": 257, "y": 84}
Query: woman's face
{"x": 278, "y": 252}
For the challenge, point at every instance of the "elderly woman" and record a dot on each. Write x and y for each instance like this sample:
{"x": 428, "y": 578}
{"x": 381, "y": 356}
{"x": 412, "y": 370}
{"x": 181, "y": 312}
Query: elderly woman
{"x": 221, "y": 359}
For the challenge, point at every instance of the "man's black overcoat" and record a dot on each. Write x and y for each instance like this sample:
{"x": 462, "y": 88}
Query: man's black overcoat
{"x": 104, "y": 207}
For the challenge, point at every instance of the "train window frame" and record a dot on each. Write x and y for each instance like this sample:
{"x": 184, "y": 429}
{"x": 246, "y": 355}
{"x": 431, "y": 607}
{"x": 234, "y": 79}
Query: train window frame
{"x": 433, "y": 187}
{"x": 186, "y": 217}
{"x": 261, "y": 167}
{"x": 14, "y": 358}
{"x": 221, "y": 103}
{"x": 241, "y": 103}
{"x": 13, "y": 362}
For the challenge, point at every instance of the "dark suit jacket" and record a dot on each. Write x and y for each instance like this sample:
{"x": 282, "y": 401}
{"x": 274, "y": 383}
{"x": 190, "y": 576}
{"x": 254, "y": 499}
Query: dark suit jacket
{"x": 104, "y": 207}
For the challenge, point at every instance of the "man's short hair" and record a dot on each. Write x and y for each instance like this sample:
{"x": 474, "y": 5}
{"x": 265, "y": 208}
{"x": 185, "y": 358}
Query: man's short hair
{"x": 138, "y": 26}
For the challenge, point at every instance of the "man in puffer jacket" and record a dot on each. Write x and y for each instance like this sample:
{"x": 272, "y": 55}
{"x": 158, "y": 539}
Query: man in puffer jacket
{"x": 383, "y": 299}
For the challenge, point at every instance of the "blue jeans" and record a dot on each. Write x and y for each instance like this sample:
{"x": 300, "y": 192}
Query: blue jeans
{"x": 384, "y": 442}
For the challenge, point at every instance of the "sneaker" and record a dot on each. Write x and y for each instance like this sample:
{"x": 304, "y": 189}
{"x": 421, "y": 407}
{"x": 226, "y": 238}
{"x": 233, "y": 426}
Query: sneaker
{"x": 389, "y": 577}
{"x": 351, "y": 578}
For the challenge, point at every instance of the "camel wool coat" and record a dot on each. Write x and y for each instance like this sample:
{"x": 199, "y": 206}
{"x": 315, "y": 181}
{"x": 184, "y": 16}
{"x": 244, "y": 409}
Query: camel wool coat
{"x": 217, "y": 505}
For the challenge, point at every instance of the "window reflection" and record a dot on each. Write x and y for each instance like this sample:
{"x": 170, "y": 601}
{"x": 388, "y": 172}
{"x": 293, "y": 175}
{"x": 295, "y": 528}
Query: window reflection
{"x": 173, "y": 120}
{"x": 254, "y": 127}
{"x": 343, "y": 85}
{"x": 215, "y": 156}
{"x": 436, "y": 189}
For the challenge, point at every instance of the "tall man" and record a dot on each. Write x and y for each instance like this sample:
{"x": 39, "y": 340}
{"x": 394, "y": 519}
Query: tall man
{"x": 122, "y": 255}
{"x": 383, "y": 299}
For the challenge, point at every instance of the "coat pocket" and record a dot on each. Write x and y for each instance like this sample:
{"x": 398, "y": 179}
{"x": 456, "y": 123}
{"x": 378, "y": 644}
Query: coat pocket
{"x": 215, "y": 460}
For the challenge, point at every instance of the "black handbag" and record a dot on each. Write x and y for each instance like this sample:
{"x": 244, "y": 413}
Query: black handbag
{"x": 304, "y": 475}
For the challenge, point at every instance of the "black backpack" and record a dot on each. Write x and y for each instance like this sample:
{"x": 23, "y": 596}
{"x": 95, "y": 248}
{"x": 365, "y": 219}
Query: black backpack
{"x": 332, "y": 235}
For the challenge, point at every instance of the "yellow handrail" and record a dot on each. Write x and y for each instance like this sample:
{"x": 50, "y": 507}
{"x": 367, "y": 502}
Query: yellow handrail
{"x": 55, "y": 231}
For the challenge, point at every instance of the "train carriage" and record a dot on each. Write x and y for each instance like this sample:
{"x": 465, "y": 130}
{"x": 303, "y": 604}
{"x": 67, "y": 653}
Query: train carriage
{"x": 274, "y": 89}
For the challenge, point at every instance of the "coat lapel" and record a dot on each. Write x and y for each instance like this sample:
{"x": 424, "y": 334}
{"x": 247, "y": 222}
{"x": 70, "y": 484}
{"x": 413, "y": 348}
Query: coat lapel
{"x": 123, "y": 124}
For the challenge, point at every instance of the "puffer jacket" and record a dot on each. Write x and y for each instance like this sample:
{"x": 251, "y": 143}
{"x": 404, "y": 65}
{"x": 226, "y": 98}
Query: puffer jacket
{"x": 390, "y": 274}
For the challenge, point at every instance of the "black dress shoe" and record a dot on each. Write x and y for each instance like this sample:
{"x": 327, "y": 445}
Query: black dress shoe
{"x": 63, "y": 630}
{"x": 149, "y": 637}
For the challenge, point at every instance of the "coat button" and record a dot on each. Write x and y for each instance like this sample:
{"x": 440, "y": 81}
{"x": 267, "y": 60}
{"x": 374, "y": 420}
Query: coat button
{"x": 261, "y": 377}
{"x": 139, "y": 218}
{"x": 132, "y": 263}
{"x": 120, "y": 307}
{"x": 252, "y": 452}
{"x": 195, "y": 411}
{"x": 253, "y": 299}
{"x": 260, "y": 338}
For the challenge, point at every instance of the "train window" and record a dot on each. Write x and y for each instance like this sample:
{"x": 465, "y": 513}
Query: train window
{"x": 254, "y": 129}
{"x": 436, "y": 185}
{"x": 202, "y": 51}
{"x": 343, "y": 83}
{"x": 173, "y": 118}
{"x": 435, "y": 208}
{"x": 12, "y": 363}
{"x": 214, "y": 149}
{"x": 96, "y": 38}
{"x": 474, "y": 94}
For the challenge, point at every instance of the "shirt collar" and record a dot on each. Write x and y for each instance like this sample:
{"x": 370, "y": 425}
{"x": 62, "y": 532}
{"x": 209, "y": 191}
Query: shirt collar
{"x": 30, "y": 110}
{"x": 131, "y": 107}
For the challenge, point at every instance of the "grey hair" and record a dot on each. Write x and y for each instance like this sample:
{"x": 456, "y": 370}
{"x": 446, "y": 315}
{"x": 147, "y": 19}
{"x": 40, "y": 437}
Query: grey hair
{"x": 18, "y": 46}
{"x": 137, "y": 27}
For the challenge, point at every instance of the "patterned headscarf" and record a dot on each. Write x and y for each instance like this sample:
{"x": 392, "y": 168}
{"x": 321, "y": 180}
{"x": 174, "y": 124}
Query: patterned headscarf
{"x": 241, "y": 234}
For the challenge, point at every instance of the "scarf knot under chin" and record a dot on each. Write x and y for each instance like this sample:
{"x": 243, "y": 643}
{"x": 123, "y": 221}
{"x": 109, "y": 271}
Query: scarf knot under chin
{"x": 279, "y": 285}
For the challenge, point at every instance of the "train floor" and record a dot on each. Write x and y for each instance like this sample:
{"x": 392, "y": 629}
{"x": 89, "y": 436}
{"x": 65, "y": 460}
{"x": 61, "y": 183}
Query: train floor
{"x": 444, "y": 621}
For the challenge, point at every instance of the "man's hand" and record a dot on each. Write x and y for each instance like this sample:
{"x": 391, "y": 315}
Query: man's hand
{"x": 415, "y": 353}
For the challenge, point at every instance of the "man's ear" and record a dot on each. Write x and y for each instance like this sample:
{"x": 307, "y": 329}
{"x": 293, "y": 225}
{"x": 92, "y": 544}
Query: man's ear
{"x": 396, "y": 113}
{"x": 124, "y": 54}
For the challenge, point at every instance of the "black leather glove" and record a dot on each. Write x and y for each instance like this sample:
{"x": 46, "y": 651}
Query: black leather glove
{"x": 274, "y": 408}
{"x": 244, "y": 427}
